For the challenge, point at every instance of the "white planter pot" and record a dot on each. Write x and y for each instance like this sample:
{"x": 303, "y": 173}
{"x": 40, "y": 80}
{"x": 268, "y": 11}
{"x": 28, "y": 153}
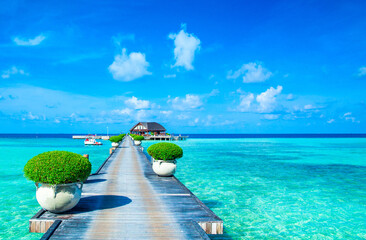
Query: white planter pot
{"x": 164, "y": 168}
{"x": 137, "y": 143}
{"x": 59, "y": 198}
{"x": 115, "y": 144}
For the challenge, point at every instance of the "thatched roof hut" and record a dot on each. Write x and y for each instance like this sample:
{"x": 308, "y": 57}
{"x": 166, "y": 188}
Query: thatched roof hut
{"x": 146, "y": 127}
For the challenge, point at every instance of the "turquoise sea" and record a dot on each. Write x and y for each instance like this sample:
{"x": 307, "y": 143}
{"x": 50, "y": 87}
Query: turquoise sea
{"x": 263, "y": 188}
{"x": 280, "y": 188}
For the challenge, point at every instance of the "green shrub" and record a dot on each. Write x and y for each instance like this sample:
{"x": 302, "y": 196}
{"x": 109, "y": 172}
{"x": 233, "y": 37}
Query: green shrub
{"x": 57, "y": 167}
{"x": 165, "y": 151}
{"x": 115, "y": 139}
{"x": 138, "y": 138}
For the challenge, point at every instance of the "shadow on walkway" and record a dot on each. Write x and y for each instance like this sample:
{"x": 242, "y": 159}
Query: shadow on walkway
{"x": 100, "y": 202}
{"x": 94, "y": 181}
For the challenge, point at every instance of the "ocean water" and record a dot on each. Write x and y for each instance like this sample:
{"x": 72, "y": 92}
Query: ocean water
{"x": 280, "y": 188}
{"x": 263, "y": 188}
{"x": 17, "y": 195}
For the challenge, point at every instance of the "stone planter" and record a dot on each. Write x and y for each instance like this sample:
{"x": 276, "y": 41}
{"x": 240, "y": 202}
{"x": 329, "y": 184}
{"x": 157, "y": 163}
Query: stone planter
{"x": 114, "y": 144}
{"x": 137, "y": 143}
{"x": 59, "y": 198}
{"x": 164, "y": 168}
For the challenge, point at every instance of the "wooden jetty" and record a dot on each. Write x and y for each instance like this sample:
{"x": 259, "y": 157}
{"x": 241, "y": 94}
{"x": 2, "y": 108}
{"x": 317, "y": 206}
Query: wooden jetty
{"x": 95, "y": 136}
{"x": 125, "y": 199}
{"x": 166, "y": 137}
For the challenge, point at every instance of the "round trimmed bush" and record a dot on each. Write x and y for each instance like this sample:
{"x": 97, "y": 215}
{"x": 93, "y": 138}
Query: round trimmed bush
{"x": 165, "y": 151}
{"x": 57, "y": 167}
{"x": 115, "y": 139}
{"x": 118, "y": 138}
{"x": 138, "y": 138}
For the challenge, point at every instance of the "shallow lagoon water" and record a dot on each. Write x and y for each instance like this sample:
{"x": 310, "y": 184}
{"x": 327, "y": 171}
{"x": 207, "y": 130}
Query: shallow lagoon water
{"x": 262, "y": 188}
{"x": 280, "y": 188}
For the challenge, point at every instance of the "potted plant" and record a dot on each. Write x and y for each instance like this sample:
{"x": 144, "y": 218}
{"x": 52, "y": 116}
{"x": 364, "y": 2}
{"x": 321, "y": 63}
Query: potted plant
{"x": 137, "y": 139}
{"x": 164, "y": 157}
{"x": 59, "y": 177}
{"x": 115, "y": 140}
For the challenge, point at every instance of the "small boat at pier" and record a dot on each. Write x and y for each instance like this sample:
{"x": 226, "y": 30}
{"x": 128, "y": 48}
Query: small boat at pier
{"x": 90, "y": 140}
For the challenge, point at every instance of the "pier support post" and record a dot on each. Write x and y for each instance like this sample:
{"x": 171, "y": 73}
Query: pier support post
{"x": 111, "y": 150}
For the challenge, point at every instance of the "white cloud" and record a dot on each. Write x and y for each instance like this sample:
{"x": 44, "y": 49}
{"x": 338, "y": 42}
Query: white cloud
{"x": 214, "y": 92}
{"x": 166, "y": 113}
{"x": 309, "y": 107}
{"x": 245, "y": 102}
{"x": 29, "y": 42}
{"x": 251, "y": 72}
{"x": 13, "y": 71}
{"x": 330, "y": 121}
{"x": 170, "y": 76}
{"x": 129, "y": 67}
{"x": 125, "y": 111}
{"x": 348, "y": 116}
{"x": 142, "y": 115}
{"x": 32, "y": 117}
{"x": 189, "y": 102}
{"x": 290, "y": 97}
{"x": 185, "y": 47}
{"x": 182, "y": 116}
{"x": 265, "y": 102}
{"x": 362, "y": 71}
{"x": 267, "y": 99}
{"x": 135, "y": 103}
{"x": 271, "y": 116}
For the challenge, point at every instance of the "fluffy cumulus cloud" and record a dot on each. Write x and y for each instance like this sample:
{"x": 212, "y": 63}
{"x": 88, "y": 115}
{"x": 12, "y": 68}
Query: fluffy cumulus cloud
{"x": 267, "y": 99}
{"x": 12, "y": 71}
{"x": 362, "y": 71}
{"x": 186, "y": 46}
{"x": 29, "y": 42}
{"x": 246, "y": 102}
{"x": 129, "y": 67}
{"x": 135, "y": 103}
{"x": 189, "y": 102}
{"x": 250, "y": 72}
{"x": 265, "y": 102}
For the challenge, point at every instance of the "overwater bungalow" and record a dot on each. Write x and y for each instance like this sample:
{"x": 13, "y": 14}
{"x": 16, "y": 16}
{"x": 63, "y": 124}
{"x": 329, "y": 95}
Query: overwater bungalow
{"x": 146, "y": 128}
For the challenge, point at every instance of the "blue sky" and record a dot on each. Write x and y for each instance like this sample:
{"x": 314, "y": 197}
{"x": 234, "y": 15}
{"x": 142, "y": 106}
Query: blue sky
{"x": 194, "y": 66}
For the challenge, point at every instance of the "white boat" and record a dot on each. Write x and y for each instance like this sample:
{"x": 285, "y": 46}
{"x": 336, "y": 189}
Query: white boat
{"x": 90, "y": 140}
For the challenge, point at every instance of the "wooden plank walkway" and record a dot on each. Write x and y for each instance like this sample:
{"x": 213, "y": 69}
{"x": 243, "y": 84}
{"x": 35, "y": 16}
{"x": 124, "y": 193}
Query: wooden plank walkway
{"x": 127, "y": 200}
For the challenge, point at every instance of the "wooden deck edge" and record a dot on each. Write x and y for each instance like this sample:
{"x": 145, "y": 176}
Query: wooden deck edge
{"x": 51, "y": 230}
{"x": 214, "y": 227}
{"x": 37, "y": 225}
{"x": 40, "y": 225}
{"x": 39, "y": 213}
{"x": 104, "y": 163}
{"x": 201, "y": 231}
